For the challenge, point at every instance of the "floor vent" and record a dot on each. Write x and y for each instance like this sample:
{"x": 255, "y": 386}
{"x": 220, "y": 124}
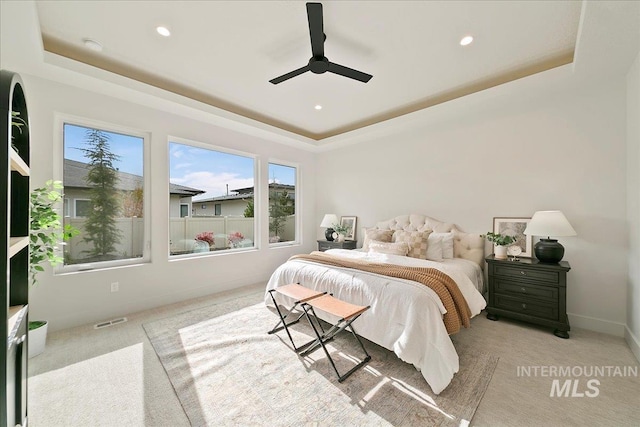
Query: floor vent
{"x": 109, "y": 323}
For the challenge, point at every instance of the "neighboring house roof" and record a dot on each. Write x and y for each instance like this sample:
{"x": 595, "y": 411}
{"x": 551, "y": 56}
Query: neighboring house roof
{"x": 229, "y": 197}
{"x": 274, "y": 185}
{"x": 246, "y": 193}
{"x": 75, "y": 175}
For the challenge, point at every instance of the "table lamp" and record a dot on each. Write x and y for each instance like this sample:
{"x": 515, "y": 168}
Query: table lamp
{"x": 328, "y": 221}
{"x": 549, "y": 223}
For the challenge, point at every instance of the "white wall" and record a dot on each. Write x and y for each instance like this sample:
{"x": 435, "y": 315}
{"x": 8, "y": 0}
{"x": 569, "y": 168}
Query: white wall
{"x": 512, "y": 153}
{"x": 72, "y": 299}
{"x": 632, "y": 334}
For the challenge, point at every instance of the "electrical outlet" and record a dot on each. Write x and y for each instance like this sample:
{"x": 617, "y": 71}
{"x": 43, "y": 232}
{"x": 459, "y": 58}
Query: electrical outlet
{"x": 115, "y": 286}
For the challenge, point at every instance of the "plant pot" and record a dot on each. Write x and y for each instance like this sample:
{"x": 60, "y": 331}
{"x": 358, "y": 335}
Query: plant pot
{"x": 500, "y": 252}
{"x": 340, "y": 237}
{"x": 37, "y": 337}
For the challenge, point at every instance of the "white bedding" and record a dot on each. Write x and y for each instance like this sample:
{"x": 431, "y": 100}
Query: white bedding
{"x": 405, "y": 316}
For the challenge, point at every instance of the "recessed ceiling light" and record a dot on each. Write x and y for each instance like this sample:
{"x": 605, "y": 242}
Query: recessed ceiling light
{"x": 163, "y": 31}
{"x": 466, "y": 40}
{"x": 92, "y": 44}
{"x": 318, "y": 107}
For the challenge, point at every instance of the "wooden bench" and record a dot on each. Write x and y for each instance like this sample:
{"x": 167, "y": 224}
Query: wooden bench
{"x": 347, "y": 313}
{"x": 299, "y": 294}
{"x": 310, "y": 300}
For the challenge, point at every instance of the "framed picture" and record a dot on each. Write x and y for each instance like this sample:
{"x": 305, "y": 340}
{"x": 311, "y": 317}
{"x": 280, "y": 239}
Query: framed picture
{"x": 515, "y": 227}
{"x": 350, "y": 223}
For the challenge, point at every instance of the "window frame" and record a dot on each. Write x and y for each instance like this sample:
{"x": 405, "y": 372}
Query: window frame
{"x": 188, "y": 210}
{"x": 75, "y": 207}
{"x": 257, "y": 224}
{"x": 297, "y": 203}
{"x": 60, "y": 119}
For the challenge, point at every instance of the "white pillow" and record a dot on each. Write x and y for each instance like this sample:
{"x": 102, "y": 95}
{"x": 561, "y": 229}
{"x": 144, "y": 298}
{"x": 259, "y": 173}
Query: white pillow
{"x": 434, "y": 248}
{"x": 400, "y": 248}
{"x": 447, "y": 244}
{"x": 374, "y": 234}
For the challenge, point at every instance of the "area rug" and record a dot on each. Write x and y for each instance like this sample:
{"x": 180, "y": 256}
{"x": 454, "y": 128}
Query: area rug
{"x": 226, "y": 370}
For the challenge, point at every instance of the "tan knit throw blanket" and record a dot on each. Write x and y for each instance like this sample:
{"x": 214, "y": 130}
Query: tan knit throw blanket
{"x": 458, "y": 312}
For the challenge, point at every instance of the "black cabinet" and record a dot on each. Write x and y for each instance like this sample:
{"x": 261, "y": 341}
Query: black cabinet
{"x": 529, "y": 290}
{"x": 14, "y": 249}
{"x": 325, "y": 245}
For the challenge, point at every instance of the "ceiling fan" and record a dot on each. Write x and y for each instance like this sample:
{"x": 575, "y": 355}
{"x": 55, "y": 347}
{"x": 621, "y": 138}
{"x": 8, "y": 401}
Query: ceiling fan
{"x": 318, "y": 63}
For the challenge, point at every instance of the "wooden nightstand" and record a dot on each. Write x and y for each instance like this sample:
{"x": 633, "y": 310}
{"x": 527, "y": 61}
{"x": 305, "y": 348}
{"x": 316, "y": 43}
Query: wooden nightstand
{"x": 529, "y": 290}
{"x": 324, "y": 245}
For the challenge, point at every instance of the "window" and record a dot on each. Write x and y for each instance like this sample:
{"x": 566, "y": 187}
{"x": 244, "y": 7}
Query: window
{"x": 216, "y": 176}
{"x": 103, "y": 176}
{"x": 282, "y": 203}
{"x": 65, "y": 208}
{"x": 81, "y": 208}
{"x": 184, "y": 210}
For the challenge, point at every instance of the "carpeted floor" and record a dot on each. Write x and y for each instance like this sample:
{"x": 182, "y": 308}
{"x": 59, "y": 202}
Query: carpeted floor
{"x": 226, "y": 370}
{"x": 112, "y": 377}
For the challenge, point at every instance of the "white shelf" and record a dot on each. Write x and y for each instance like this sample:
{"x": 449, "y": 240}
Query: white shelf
{"x": 17, "y": 164}
{"x": 16, "y": 244}
{"x": 15, "y": 312}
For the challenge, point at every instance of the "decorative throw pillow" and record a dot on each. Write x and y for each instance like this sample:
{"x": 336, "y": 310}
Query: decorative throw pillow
{"x": 447, "y": 244}
{"x": 417, "y": 241}
{"x": 375, "y": 234}
{"x": 400, "y": 248}
{"x": 434, "y": 248}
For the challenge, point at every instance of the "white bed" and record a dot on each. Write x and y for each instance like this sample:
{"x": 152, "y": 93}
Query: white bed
{"x": 405, "y": 316}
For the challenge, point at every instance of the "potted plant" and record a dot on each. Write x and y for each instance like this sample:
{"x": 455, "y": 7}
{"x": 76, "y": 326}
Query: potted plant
{"x": 500, "y": 243}
{"x": 46, "y": 232}
{"x": 207, "y": 236}
{"x": 342, "y": 231}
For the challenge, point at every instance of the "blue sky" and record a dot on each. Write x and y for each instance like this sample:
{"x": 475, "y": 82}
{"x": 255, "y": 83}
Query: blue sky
{"x": 212, "y": 171}
{"x": 195, "y": 167}
{"x": 129, "y": 148}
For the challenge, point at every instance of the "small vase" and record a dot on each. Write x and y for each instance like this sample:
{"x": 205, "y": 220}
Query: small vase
{"x": 500, "y": 252}
{"x": 340, "y": 237}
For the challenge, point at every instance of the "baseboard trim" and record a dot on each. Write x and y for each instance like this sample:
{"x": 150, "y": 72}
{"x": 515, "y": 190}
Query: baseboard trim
{"x": 632, "y": 341}
{"x": 597, "y": 325}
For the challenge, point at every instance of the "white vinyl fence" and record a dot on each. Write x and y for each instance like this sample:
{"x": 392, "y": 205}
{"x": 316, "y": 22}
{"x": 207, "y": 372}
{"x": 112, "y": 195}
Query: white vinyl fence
{"x": 182, "y": 234}
{"x": 131, "y": 243}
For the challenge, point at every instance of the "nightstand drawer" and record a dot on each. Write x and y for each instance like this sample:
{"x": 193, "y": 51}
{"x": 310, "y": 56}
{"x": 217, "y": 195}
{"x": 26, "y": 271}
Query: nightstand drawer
{"x": 527, "y": 273}
{"x": 524, "y": 306}
{"x": 521, "y": 289}
{"x": 323, "y": 246}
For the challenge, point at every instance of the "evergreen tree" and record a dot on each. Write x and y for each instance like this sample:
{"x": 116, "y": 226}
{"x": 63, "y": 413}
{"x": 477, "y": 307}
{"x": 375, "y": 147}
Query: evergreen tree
{"x": 280, "y": 206}
{"x": 100, "y": 227}
{"x": 248, "y": 211}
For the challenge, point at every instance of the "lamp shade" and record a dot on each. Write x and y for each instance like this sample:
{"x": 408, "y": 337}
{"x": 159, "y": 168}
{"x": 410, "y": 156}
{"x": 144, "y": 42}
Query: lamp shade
{"x": 329, "y": 220}
{"x": 549, "y": 223}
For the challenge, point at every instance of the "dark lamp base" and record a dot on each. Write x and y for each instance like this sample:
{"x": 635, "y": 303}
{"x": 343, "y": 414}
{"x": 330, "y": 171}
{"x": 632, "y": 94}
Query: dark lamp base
{"x": 549, "y": 250}
{"x": 329, "y": 234}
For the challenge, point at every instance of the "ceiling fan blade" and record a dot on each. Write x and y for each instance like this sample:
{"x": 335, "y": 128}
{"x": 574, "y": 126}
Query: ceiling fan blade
{"x": 316, "y": 28}
{"x": 349, "y": 72}
{"x": 289, "y": 75}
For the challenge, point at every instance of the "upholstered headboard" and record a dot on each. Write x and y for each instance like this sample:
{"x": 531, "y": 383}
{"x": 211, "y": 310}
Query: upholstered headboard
{"x": 465, "y": 245}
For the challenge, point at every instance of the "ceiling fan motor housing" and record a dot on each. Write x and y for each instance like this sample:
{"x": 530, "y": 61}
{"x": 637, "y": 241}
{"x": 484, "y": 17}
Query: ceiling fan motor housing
{"x": 318, "y": 65}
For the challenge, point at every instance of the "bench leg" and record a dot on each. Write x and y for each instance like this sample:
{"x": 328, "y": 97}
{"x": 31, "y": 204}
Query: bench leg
{"x": 283, "y": 321}
{"x": 322, "y": 339}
